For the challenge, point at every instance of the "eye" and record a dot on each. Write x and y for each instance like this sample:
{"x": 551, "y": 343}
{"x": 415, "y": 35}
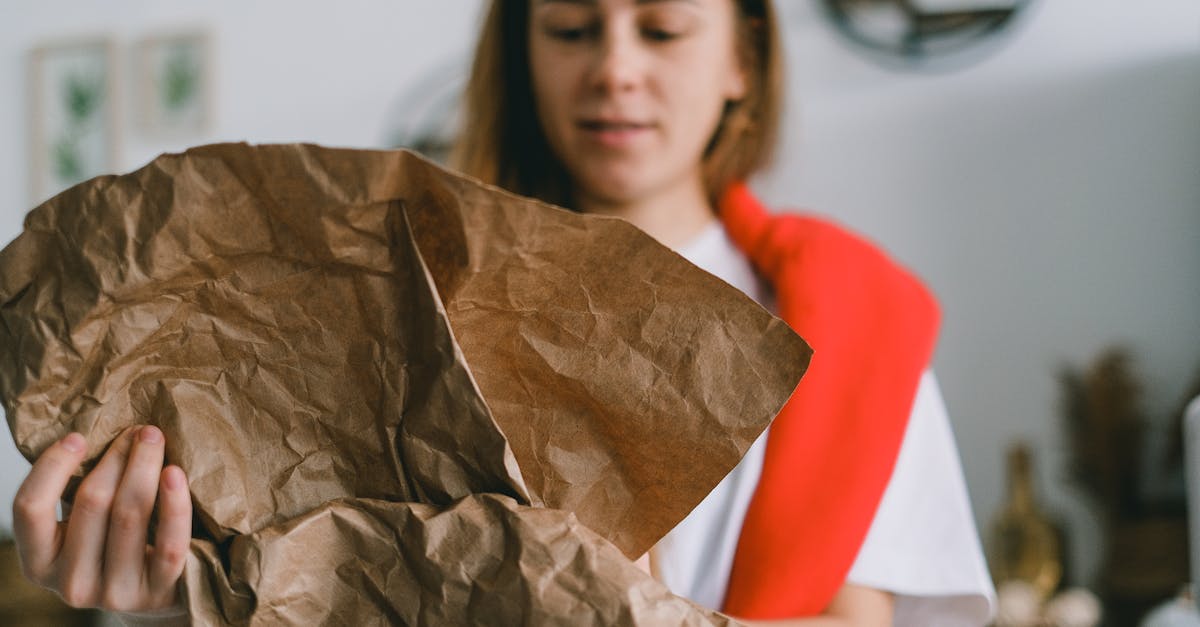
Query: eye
{"x": 666, "y": 24}
{"x": 570, "y": 30}
{"x": 660, "y": 34}
{"x": 568, "y": 34}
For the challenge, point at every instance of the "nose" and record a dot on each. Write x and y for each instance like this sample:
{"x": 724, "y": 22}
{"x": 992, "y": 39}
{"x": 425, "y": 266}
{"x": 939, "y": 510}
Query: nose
{"x": 620, "y": 61}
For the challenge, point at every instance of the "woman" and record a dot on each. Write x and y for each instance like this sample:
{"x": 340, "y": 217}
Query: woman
{"x": 654, "y": 111}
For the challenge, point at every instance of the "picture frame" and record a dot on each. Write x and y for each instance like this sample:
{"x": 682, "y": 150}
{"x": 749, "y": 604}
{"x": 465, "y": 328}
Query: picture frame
{"x": 73, "y": 114}
{"x": 175, "y": 83}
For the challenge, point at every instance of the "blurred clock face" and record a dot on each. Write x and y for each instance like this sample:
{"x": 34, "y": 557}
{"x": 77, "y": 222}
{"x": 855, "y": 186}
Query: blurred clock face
{"x": 924, "y": 33}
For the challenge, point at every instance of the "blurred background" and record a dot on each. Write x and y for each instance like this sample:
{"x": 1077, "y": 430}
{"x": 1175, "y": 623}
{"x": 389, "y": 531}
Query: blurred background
{"x": 1040, "y": 171}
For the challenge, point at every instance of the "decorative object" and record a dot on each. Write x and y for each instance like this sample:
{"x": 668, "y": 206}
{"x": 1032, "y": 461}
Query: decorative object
{"x": 72, "y": 134}
{"x": 1145, "y": 539}
{"x": 916, "y": 34}
{"x": 1175, "y": 446}
{"x": 1076, "y": 607}
{"x": 1019, "y": 604}
{"x": 1024, "y": 545}
{"x": 1105, "y": 427}
{"x": 1191, "y": 431}
{"x": 175, "y": 83}
{"x": 1178, "y": 612}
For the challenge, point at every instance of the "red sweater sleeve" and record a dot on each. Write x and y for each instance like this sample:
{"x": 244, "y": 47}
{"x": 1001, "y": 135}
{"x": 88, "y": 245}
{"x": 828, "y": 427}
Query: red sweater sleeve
{"x": 833, "y": 446}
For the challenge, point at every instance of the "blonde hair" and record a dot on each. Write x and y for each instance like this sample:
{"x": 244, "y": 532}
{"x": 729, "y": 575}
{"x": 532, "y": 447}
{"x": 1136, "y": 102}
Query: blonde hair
{"x": 502, "y": 141}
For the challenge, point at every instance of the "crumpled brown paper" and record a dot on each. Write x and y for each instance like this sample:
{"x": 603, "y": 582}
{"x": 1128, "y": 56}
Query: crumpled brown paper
{"x": 400, "y": 396}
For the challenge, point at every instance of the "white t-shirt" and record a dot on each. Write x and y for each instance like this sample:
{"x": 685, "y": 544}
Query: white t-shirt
{"x": 922, "y": 544}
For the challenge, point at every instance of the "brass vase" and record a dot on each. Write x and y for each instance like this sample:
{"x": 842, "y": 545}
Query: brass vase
{"x": 1024, "y": 544}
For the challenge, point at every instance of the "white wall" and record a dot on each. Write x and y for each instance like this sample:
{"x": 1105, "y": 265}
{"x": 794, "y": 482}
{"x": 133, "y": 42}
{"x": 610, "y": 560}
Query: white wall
{"x": 286, "y": 71}
{"x": 1050, "y": 194}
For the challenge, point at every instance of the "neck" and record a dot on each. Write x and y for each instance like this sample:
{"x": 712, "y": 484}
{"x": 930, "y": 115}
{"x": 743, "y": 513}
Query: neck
{"x": 673, "y": 216}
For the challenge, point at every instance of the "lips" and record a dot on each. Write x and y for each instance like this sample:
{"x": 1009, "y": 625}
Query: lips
{"x": 613, "y": 125}
{"x": 615, "y": 133}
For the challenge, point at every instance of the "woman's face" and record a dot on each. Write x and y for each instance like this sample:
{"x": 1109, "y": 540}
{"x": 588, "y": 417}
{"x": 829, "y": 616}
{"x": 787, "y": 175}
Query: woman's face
{"x": 629, "y": 92}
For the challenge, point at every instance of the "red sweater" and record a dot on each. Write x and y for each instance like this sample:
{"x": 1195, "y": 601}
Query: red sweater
{"x": 833, "y": 446}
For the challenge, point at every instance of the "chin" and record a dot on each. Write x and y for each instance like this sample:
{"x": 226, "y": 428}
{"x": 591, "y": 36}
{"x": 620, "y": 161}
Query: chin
{"x": 616, "y": 193}
{"x": 615, "y": 185}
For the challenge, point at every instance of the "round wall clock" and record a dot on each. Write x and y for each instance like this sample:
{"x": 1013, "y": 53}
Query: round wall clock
{"x": 918, "y": 34}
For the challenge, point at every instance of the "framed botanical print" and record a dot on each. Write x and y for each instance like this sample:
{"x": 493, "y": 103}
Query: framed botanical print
{"x": 175, "y": 83}
{"x": 72, "y": 113}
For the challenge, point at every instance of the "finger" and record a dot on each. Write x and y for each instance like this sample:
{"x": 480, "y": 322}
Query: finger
{"x": 35, "y": 523}
{"x": 174, "y": 535}
{"x": 79, "y": 563}
{"x": 125, "y": 549}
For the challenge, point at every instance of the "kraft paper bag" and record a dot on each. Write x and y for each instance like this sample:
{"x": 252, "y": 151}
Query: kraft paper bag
{"x": 400, "y": 395}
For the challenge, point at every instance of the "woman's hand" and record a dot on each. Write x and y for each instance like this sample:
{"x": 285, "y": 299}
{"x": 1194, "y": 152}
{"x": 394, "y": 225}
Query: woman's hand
{"x": 852, "y": 606}
{"x": 99, "y": 556}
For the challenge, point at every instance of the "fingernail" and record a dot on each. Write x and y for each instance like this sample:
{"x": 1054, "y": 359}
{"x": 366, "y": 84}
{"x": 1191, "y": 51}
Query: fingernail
{"x": 150, "y": 434}
{"x": 73, "y": 442}
{"x": 174, "y": 477}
